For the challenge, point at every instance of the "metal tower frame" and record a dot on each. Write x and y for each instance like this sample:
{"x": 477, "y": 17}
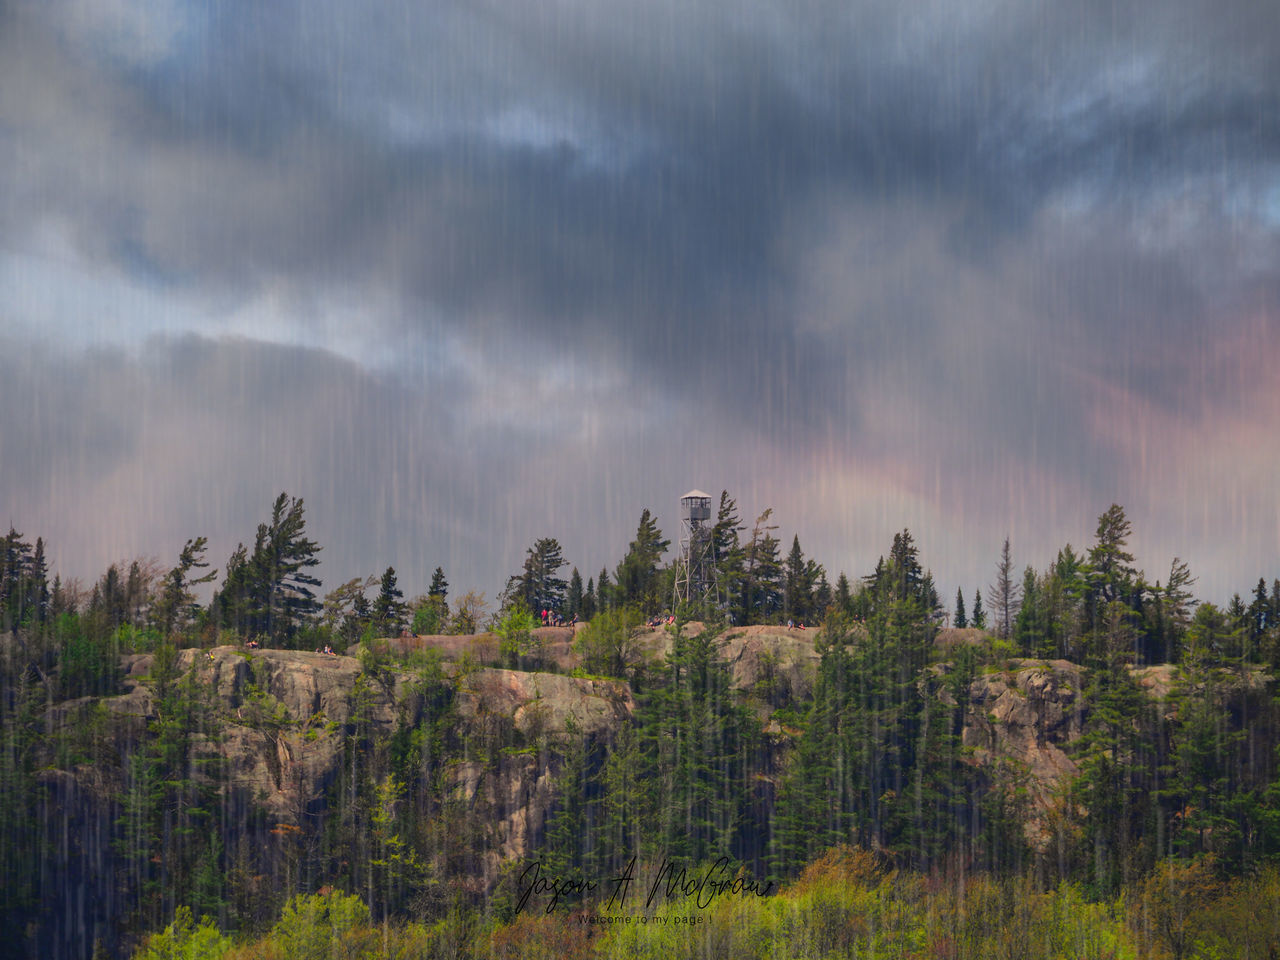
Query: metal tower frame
{"x": 696, "y": 576}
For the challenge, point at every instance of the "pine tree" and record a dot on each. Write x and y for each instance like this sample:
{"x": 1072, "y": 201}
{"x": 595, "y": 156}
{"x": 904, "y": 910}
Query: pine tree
{"x": 15, "y": 581}
{"x": 844, "y": 595}
{"x": 439, "y": 585}
{"x": 637, "y": 574}
{"x": 389, "y": 609}
{"x": 1259, "y": 612}
{"x": 1108, "y": 575}
{"x": 538, "y": 585}
{"x": 726, "y": 549}
{"x": 1003, "y": 595}
{"x": 929, "y": 602}
{"x": 270, "y": 591}
{"x": 960, "y": 619}
{"x": 589, "y": 600}
{"x": 346, "y": 612}
{"x": 822, "y": 598}
{"x": 795, "y": 599}
{"x": 1179, "y": 605}
{"x": 905, "y": 575}
{"x": 762, "y": 586}
{"x": 38, "y": 585}
{"x": 1031, "y": 626}
{"x": 979, "y": 618}
{"x": 574, "y": 599}
{"x": 604, "y": 592}
{"x": 176, "y": 605}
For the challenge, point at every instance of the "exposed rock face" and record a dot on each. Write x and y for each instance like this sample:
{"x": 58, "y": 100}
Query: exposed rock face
{"x": 513, "y": 792}
{"x": 1029, "y": 714}
{"x": 777, "y": 663}
{"x": 541, "y": 704}
{"x": 285, "y": 714}
{"x": 283, "y": 711}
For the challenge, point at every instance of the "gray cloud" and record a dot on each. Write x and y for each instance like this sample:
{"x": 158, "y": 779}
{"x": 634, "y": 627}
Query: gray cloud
{"x": 915, "y": 247}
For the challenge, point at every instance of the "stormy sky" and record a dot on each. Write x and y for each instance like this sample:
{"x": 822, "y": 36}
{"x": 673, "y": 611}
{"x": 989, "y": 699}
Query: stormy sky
{"x": 462, "y": 275}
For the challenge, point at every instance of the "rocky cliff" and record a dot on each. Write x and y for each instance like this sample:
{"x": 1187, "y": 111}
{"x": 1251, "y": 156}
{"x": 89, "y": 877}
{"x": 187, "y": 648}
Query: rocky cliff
{"x": 285, "y": 716}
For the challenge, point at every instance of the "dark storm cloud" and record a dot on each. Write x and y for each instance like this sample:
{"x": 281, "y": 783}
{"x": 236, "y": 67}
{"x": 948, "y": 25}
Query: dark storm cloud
{"x": 111, "y": 455}
{"x": 911, "y": 239}
{"x": 123, "y": 455}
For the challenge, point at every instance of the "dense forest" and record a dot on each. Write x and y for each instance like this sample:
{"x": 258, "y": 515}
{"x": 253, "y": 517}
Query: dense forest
{"x": 856, "y": 801}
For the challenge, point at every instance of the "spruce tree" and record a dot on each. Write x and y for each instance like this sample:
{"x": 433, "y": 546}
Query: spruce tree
{"x": 1259, "y": 612}
{"x": 762, "y": 582}
{"x": 573, "y": 601}
{"x": 439, "y": 585}
{"x": 822, "y": 598}
{"x": 795, "y": 603}
{"x": 844, "y": 595}
{"x": 389, "y": 609}
{"x": 15, "y": 575}
{"x": 637, "y": 575}
{"x": 604, "y": 592}
{"x": 726, "y": 548}
{"x": 979, "y": 618}
{"x": 960, "y": 619}
{"x": 1031, "y": 626}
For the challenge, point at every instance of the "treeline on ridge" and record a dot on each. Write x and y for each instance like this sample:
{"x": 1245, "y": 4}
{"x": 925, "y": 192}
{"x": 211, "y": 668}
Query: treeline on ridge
{"x": 874, "y": 758}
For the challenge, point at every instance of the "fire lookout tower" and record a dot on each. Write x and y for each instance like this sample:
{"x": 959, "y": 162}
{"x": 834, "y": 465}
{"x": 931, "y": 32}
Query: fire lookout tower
{"x": 696, "y": 579}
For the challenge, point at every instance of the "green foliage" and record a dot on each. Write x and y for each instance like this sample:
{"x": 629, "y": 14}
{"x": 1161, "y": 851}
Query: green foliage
{"x": 878, "y": 760}
{"x": 692, "y": 768}
{"x": 848, "y": 903}
{"x": 270, "y": 591}
{"x": 389, "y": 610}
{"x": 1031, "y": 625}
{"x": 761, "y": 595}
{"x": 1117, "y": 763}
{"x": 800, "y": 584}
{"x": 170, "y": 795}
{"x": 517, "y": 641}
{"x": 573, "y": 600}
{"x": 24, "y": 590}
{"x": 321, "y": 927}
{"x": 428, "y": 618}
{"x": 636, "y": 579}
{"x": 1173, "y": 762}
{"x": 538, "y": 586}
{"x": 176, "y": 607}
{"x": 87, "y": 665}
{"x": 395, "y": 865}
{"x": 185, "y": 940}
{"x": 609, "y": 645}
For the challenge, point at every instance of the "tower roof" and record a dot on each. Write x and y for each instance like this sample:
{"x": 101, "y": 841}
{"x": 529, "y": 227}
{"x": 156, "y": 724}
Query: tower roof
{"x": 696, "y": 493}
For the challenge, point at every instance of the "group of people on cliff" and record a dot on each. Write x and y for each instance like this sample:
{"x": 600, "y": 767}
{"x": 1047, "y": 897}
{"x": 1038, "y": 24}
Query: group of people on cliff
{"x": 552, "y": 618}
